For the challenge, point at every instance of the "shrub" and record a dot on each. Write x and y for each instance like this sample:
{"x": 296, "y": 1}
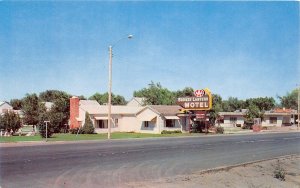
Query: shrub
{"x": 75, "y": 131}
{"x": 42, "y": 130}
{"x": 88, "y": 127}
{"x": 279, "y": 172}
{"x": 219, "y": 130}
{"x": 198, "y": 127}
{"x": 247, "y": 126}
{"x": 170, "y": 132}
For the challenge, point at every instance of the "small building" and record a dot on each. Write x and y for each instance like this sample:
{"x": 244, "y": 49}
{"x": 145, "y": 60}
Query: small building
{"x": 277, "y": 117}
{"x": 129, "y": 118}
{"x": 5, "y": 107}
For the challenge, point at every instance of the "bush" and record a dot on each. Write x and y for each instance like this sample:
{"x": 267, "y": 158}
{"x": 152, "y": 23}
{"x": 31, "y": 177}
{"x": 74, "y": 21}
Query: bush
{"x": 42, "y": 130}
{"x": 198, "y": 127}
{"x": 279, "y": 172}
{"x": 170, "y": 132}
{"x": 75, "y": 131}
{"x": 219, "y": 130}
{"x": 247, "y": 126}
{"x": 88, "y": 127}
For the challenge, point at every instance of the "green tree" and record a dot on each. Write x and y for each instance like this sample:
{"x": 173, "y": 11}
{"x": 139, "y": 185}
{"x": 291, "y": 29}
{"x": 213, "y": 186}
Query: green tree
{"x": 263, "y": 103}
{"x": 103, "y": 99}
{"x": 232, "y": 104}
{"x": 52, "y": 95}
{"x": 10, "y": 121}
{"x": 44, "y": 116}
{"x": 16, "y": 104}
{"x": 88, "y": 127}
{"x": 60, "y": 111}
{"x": 216, "y": 108}
{"x": 253, "y": 112}
{"x": 289, "y": 100}
{"x": 30, "y": 109}
{"x": 155, "y": 94}
{"x": 186, "y": 92}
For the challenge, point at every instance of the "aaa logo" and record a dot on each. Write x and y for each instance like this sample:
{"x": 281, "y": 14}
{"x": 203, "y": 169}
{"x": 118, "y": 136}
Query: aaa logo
{"x": 199, "y": 93}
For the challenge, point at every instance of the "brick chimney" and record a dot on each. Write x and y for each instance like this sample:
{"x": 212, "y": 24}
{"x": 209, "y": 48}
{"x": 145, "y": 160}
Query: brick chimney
{"x": 74, "y": 112}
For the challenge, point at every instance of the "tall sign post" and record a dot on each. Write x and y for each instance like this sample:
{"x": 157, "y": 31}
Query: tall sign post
{"x": 199, "y": 104}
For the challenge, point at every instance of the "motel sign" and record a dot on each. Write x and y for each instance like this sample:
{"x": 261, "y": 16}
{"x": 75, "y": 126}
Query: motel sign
{"x": 202, "y": 100}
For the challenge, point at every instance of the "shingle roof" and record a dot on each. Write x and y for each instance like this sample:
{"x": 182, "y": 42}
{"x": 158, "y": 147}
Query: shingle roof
{"x": 93, "y": 107}
{"x": 166, "y": 110}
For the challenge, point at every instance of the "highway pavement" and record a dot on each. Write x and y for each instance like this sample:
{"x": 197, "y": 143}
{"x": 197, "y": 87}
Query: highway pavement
{"x": 119, "y": 163}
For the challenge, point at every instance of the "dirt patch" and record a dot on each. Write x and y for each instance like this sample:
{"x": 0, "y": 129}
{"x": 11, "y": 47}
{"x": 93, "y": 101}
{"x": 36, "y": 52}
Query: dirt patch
{"x": 259, "y": 174}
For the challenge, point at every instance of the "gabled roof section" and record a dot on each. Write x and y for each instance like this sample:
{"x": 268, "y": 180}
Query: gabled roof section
{"x": 1, "y": 103}
{"x": 90, "y": 106}
{"x": 136, "y": 101}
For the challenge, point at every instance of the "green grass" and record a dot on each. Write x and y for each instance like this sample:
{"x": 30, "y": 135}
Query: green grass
{"x": 73, "y": 137}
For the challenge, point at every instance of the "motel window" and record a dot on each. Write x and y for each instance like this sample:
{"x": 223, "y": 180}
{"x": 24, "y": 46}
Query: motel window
{"x": 146, "y": 123}
{"x": 170, "y": 123}
{"x": 101, "y": 124}
{"x": 233, "y": 119}
{"x": 273, "y": 120}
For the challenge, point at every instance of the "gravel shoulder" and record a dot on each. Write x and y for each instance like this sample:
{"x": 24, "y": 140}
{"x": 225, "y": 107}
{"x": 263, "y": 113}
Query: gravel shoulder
{"x": 257, "y": 174}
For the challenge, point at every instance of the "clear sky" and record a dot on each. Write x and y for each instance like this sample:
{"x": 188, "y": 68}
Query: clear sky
{"x": 239, "y": 49}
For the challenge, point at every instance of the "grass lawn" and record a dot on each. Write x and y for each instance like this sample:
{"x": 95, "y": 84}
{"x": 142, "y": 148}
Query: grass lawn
{"x": 73, "y": 137}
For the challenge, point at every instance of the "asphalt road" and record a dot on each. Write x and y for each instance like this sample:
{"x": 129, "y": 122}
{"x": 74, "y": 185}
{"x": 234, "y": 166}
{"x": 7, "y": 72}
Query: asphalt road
{"x": 118, "y": 163}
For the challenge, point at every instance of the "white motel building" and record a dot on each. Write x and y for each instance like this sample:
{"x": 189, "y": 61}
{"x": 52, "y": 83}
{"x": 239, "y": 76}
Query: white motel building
{"x": 134, "y": 117}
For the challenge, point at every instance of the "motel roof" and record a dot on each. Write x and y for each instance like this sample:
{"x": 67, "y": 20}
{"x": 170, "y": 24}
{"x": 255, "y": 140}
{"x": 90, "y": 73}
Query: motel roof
{"x": 93, "y": 107}
{"x": 166, "y": 110}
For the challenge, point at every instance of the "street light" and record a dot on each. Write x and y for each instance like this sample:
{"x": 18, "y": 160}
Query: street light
{"x": 110, "y": 83}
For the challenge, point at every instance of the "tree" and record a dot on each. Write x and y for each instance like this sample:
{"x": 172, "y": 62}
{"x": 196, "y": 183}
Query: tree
{"x": 52, "y": 95}
{"x": 216, "y": 108}
{"x": 155, "y": 94}
{"x": 263, "y": 103}
{"x": 289, "y": 100}
{"x": 186, "y": 92}
{"x": 103, "y": 99}
{"x": 30, "y": 109}
{"x": 88, "y": 127}
{"x": 16, "y": 104}
{"x": 10, "y": 121}
{"x": 44, "y": 116}
{"x": 253, "y": 112}
{"x": 60, "y": 111}
{"x": 232, "y": 104}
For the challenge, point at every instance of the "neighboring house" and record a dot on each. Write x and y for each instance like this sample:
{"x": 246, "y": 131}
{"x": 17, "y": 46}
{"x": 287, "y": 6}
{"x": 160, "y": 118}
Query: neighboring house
{"x": 147, "y": 119}
{"x": 136, "y": 101}
{"x": 48, "y": 105}
{"x": 277, "y": 117}
{"x": 5, "y": 107}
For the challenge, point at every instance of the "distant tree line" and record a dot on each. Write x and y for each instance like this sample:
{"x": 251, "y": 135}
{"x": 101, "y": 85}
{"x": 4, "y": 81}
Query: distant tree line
{"x": 35, "y": 112}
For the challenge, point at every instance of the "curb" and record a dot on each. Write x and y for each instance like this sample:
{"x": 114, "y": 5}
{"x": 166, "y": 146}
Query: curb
{"x": 38, "y": 143}
{"x": 226, "y": 168}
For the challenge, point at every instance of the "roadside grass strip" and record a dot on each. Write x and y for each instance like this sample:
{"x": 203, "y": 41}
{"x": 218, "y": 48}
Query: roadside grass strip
{"x": 74, "y": 137}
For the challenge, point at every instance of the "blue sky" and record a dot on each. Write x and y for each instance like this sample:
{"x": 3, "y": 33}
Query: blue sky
{"x": 240, "y": 49}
